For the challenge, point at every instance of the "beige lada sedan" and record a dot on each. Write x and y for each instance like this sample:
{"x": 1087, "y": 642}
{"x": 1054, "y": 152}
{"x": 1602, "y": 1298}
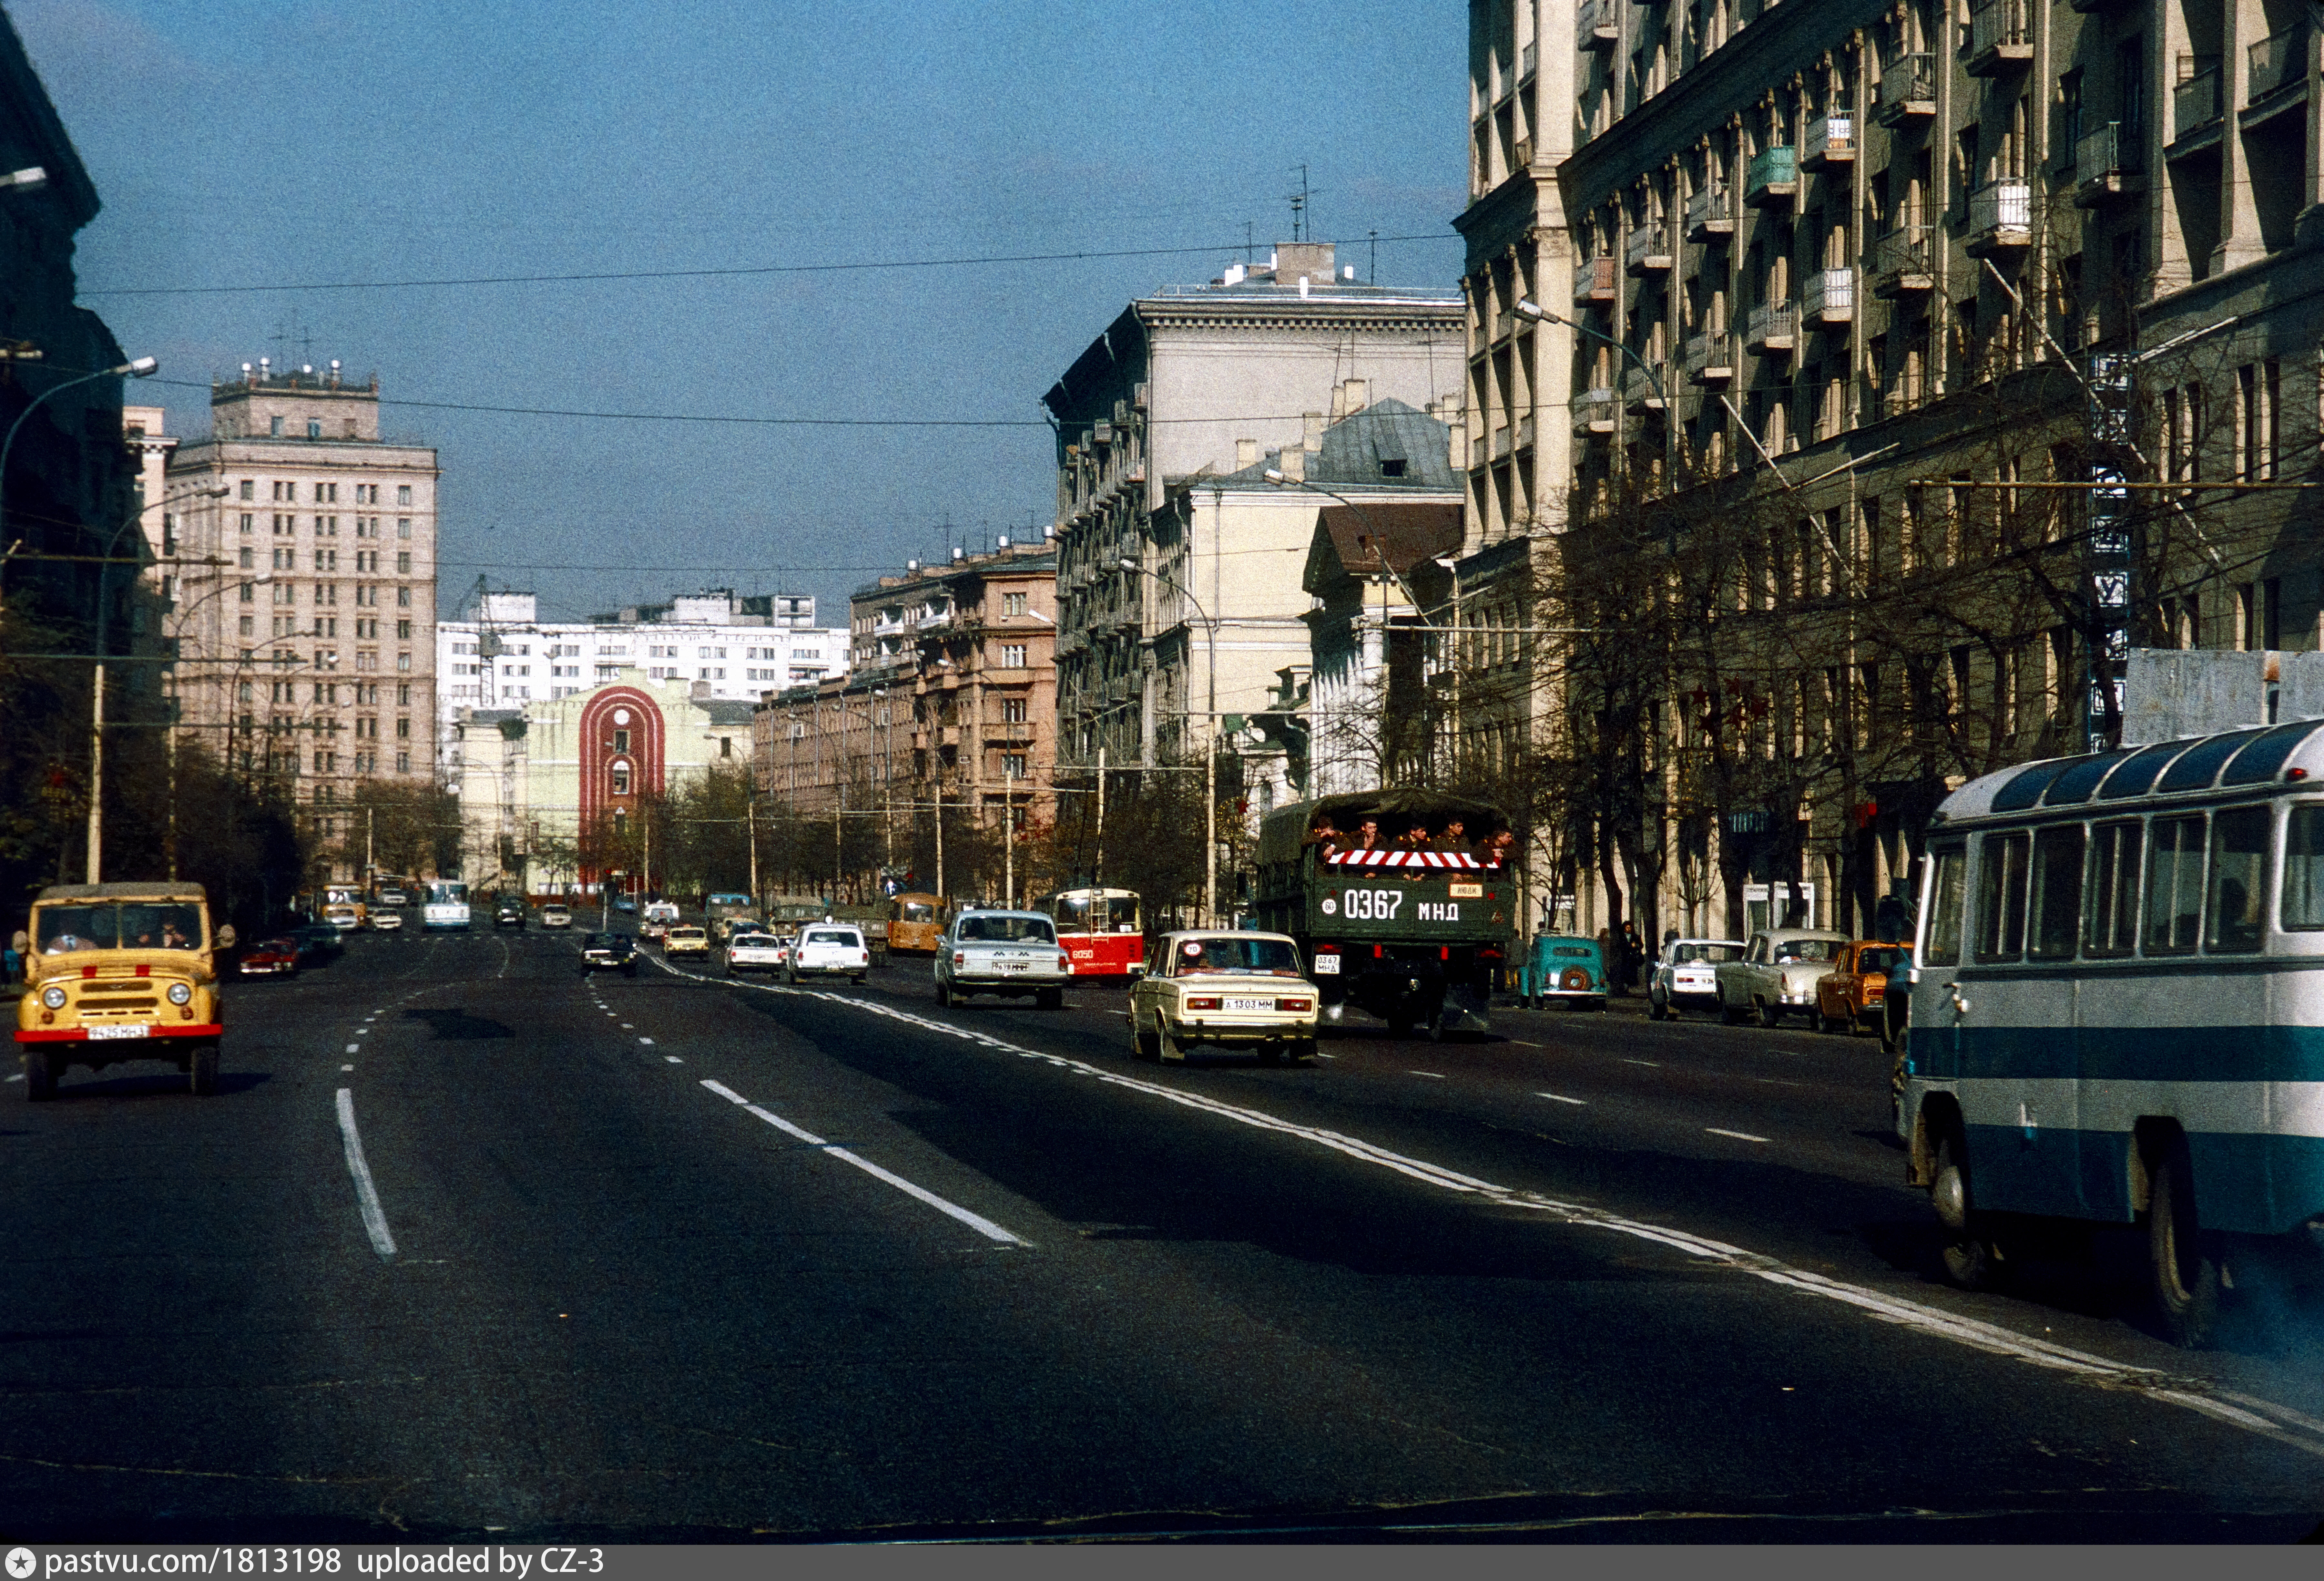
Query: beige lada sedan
{"x": 1227, "y": 990}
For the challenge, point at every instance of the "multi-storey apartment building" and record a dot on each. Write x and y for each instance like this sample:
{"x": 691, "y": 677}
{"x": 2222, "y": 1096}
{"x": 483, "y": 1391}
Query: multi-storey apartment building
{"x": 1188, "y": 385}
{"x": 952, "y": 703}
{"x": 306, "y": 630}
{"x": 1970, "y": 314}
{"x": 500, "y": 654}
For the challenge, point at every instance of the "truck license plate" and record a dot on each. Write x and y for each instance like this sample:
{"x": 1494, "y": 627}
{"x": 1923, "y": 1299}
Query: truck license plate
{"x": 1251, "y": 1004}
{"x": 105, "y": 1034}
{"x": 1327, "y": 965}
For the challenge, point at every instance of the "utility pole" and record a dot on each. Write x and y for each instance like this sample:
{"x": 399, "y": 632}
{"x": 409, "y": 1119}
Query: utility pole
{"x": 751, "y": 821}
{"x": 96, "y": 781}
{"x": 1211, "y": 825}
{"x": 370, "y": 826}
{"x": 1097, "y": 868}
{"x": 940, "y": 887}
{"x": 1008, "y": 845}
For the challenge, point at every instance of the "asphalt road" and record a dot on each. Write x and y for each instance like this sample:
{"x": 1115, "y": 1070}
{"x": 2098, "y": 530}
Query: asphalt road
{"x": 469, "y": 1244}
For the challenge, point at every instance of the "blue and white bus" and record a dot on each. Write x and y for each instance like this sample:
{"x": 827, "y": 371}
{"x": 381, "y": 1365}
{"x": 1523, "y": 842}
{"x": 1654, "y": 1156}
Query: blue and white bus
{"x": 2117, "y": 1007}
{"x": 445, "y": 905}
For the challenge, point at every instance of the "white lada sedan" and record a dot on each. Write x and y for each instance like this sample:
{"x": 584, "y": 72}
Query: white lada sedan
{"x": 1002, "y": 952}
{"x": 756, "y": 952}
{"x": 1229, "y": 989}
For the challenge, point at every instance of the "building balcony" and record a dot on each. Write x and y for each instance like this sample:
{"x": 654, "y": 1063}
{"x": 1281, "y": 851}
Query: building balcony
{"x": 1773, "y": 176}
{"x": 1525, "y": 432}
{"x": 1528, "y": 61}
{"x": 1642, "y": 393}
{"x": 1771, "y": 330}
{"x": 1711, "y": 213}
{"x": 1709, "y": 356}
{"x": 1595, "y": 411}
{"x": 1597, "y": 25}
{"x": 1501, "y": 442}
{"x": 2000, "y": 219}
{"x": 2107, "y": 166}
{"x": 2000, "y": 38}
{"x": 1647, "y": 249}
{"x": 1903, "y": 261}
{"x": 1828, "y": 297}
{"x": 2276, "y": 61}
{"x": 1908, "y": 88}
{"x": 2195, "y": 101}
{"x": 1830, "y": 140}
{"x": 1595, "y": 281}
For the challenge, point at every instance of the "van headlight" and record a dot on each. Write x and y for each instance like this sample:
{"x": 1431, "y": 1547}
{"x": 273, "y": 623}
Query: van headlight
{"x": 53, "y": 997}
{"x": 180, "y": 992}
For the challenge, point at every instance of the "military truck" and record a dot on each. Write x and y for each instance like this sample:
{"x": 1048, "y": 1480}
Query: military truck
{"x": 1408, "y": 918}
{"x": 119, "y": 972}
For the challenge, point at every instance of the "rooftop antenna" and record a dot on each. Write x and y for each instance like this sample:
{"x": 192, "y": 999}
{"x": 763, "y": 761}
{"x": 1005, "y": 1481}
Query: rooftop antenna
{"x": 1373, "y": 277}
{"x": 1249, "y": 248}
{"x": 1299, "y": 201}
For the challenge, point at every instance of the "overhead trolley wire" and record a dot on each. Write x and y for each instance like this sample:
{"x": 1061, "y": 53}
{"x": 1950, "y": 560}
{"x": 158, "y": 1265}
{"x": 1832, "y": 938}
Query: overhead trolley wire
{"x": 731, "y": 272}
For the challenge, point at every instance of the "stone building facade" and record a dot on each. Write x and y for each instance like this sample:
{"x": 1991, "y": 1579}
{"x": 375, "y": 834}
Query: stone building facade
{"x": 1962, "y": 307}
{"x": 312, "y": 653}
{"x": 1186, "y": 387}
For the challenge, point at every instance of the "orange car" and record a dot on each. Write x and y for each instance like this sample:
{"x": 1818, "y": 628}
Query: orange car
{"x": 1850, "y": 998}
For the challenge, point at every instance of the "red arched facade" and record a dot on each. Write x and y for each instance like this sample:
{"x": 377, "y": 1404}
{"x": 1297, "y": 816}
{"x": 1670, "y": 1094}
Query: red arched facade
{"x": 620, "y": 757}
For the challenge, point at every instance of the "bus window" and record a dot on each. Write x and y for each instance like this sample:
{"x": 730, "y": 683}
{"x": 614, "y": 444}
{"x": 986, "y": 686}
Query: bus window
{"x": 1943, "y": 947}
{"x": 2111, "y": 921}
{"x": 2057, "y": 891}
{"x": 2174, "y": 885}
{"x": 2238, "y": 872}
{"x": 2001, "y": 897}
{"x": 2304, "y": 868}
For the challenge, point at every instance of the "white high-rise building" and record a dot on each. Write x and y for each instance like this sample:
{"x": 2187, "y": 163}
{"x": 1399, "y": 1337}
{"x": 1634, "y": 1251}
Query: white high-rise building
{"x": 722, "y": 645}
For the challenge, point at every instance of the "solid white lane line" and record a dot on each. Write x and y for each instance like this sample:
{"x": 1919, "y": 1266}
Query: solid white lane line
{"x": 374, "y": 1217}
{"x": 1935, "y": 1321}
{"x": 1556, "y": 1099}
{"x": 18, "y": 1076}
{"x": 1320, "y": 1055}
{"x": 977, "y": 1222}
{"x": 1431, "y": 1075}
{"x": 1738, "y": 1135}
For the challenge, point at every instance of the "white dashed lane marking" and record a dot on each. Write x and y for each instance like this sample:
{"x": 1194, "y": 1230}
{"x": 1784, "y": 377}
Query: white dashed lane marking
{"x": 1656, "y": 1064}
{"x": 2280, "y": 1424}
{"x": 355, "y": 1048}
{"x": 1738, "y": 1135}
{"x": 647, "y": 1042}
{"x": 346, "y": 1068}
{"x": 977, "y": 1222}
{"x": 1557, "y": 1098}
{"x": 673, "y": 1058}
{"x": 1431, "y": 1075}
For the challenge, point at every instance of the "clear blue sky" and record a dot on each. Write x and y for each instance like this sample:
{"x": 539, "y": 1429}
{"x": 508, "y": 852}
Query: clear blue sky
{"x": 240, "y": 143}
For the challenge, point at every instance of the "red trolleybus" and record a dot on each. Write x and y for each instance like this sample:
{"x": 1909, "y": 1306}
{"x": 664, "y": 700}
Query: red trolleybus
{"x": 1102, "y": 933}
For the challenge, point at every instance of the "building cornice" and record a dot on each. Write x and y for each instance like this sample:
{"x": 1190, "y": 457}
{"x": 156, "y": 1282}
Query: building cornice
{"x": 1784, "y": 39}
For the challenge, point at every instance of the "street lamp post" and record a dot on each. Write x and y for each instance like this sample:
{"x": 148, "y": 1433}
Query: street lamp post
{"x": 1209, "y": 744}
{"x": 177, "y": 629}
{"x": 138, "y": 369}
{"x": 1528, "y": 309}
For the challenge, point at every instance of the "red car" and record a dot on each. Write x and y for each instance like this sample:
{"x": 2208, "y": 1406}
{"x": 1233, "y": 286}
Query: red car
{"x": 275, "y": 958}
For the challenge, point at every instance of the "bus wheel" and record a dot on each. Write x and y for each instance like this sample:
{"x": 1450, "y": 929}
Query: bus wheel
{"x": 1971, "y": 1259}
{"x": 2185, "y": 1257}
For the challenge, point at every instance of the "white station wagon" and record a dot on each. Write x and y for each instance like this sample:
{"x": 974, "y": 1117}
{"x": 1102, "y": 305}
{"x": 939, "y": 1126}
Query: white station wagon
{"x": 830, "y": 949}
{"x": 1002, "y": 952}
{"x": 1231, "y": 990}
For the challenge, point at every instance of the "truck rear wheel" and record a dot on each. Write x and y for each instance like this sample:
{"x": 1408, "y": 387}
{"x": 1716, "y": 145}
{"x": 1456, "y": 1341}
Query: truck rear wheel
{"x": 41, "y": 1073}
{"x": 202, "y": 1071}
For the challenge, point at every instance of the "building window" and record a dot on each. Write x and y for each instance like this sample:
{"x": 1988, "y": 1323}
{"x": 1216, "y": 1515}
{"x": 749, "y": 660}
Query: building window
{"x": 403, "y": 661}
{"x": 404, "y": 630}
{"x": 403, "y": 526}
{"x": 404, "y": 562}
{"x": 1012, "y": 710}
{"x": 248, "y": 520}
{"x": 1012, "y": 604}
{"x": 402, "y": 493}
{"x": 1013, "y": 765}
{"x": 1012, "y": 655}
{"x": 621, "y": 740}
{"x": 249, "y": 491}
{"x": 620, "y": 779}
{"x": 403, "y": 694}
